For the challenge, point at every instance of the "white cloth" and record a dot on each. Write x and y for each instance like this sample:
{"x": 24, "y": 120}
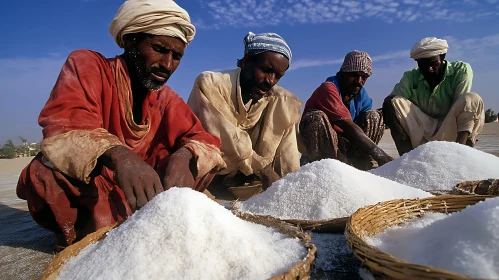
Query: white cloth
{"x": 429, "y": 47}
{"x": 252, "y": 137}
{"x": 466, "y": 114}
{"x": 156, "y": 17}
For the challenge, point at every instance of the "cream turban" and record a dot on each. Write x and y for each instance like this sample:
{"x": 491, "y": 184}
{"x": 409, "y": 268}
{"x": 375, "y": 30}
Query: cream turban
{"x": 156, "y": 17}
{"x": 429, "y": 47}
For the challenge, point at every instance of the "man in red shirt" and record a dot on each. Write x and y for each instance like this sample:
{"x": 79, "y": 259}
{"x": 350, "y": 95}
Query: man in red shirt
{"x": 338, "y": 121}
{"x": 114, "y": 135}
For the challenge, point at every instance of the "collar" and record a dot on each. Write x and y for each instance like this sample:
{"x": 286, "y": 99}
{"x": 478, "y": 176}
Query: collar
{"x": 334, "y": 80}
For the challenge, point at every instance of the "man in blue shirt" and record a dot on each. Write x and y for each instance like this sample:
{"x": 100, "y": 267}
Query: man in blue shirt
{"x": 338, "y": 121}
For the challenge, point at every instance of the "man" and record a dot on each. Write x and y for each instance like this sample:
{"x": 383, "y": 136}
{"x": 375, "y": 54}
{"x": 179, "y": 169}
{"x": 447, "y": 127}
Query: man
{"x": 254, "y": 118}
{"x": 433, "y": 102}
{"x": 338, "y": 121}
{"x": 115, "y": 135}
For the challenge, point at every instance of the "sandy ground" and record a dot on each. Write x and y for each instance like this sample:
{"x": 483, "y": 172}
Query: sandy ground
{"x": 25, "y": 247}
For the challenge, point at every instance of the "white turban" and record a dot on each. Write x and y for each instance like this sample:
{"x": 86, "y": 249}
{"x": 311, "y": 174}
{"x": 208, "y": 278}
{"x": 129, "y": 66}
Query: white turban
{"x": 429, "y": 47}
{"x": 156, "y": 17}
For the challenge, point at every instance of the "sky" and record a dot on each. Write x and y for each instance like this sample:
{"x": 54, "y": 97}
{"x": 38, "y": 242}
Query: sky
{"x": 38, "y": 36}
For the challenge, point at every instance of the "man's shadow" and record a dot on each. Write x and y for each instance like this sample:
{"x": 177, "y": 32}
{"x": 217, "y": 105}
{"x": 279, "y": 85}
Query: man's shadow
{"x": 19, "y": 230}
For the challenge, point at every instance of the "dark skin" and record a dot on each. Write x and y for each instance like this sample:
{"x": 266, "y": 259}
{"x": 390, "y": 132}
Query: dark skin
{"x": 433, "y": 70}
{"x": 150, "y": 60}
{"x": 350, "y": 85}
{"x": 259, "y": 73}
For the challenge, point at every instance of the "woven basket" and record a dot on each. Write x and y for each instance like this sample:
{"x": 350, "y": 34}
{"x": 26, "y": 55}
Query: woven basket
{"x": 372, "y": 220}
{"x": 322, "y": 226}
{"x": 336, "y": 225}
{"x": 300, "y": 271}
{"x": 246, "y": 192}
{"x": 482, "y": 187}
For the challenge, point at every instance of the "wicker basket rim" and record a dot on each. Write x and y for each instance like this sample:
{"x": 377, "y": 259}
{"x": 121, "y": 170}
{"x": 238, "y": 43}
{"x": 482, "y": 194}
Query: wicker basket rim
{"x": 298, "y": 271}
{"x": 373, "y": 257}
{"x": 295, "y": 221}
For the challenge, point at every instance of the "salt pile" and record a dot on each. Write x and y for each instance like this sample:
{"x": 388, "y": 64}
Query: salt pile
{"x": 465, "y": 242}
{"x": 325, "y": 189}
{"x": 182, "y": 234}
{"x": 334, "y": 258}
{"x": 440, "y": 166}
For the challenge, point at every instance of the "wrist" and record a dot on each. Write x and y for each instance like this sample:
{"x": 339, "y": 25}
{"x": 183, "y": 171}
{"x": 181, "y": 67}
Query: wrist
{"x": 377, "y": 152}
{"x": 184, "y": 153}
{"x": 112, "y": 156}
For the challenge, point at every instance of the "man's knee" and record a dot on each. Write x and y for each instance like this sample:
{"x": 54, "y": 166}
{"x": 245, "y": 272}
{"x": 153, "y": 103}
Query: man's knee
{"x": 372, "y": 115}
{"x": 312, "y": 118}
{"x": 472, "y": 100}
{"x": 388, "y": 111}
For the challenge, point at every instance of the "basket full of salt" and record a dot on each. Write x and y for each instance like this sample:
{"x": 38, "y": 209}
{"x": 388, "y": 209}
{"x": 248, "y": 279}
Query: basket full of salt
{"x": 443, "y": 237}
{"x": 182, "y": 234}
{"x": 323, "y": 194}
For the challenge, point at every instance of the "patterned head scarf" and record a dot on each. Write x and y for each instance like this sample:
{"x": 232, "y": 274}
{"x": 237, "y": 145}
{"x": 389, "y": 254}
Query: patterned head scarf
{"x": 429, "y": 47}
{"x": 156, "y": 17}
{"x": 357, "y": 61}
{"x": 259, "y": 43}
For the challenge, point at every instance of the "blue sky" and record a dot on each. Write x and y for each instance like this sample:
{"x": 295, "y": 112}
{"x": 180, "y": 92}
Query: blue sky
{"x": 38, "y": 35}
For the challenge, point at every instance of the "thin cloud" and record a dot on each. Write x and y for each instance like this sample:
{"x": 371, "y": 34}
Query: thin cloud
{"x": 257, "y": 13}
{"x": 472, "y": 49}
{"x": 305, "y": 63}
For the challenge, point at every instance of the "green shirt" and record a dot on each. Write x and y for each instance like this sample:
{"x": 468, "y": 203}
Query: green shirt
{"x": 457, "y": 81}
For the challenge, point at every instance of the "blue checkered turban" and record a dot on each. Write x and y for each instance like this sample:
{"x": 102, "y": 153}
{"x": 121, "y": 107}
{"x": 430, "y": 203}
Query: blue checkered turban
{"x": 259, "y": 43}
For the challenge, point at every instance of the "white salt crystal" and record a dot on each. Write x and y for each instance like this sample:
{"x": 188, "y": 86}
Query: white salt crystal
{"x": 182, "y": 234}
{"x": 325, "y": 189}
{"x": 440, "y": 165}
{"x": 465, "y": 242}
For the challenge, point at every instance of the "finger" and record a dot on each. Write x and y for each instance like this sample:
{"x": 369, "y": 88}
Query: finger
{"x": 158, "y": 187}
{"x": 165, "y": 183}
{"x": 150, "y": 191}
{"x": 130, "y": 197}
{"x": 138, "y": 190}
{"x": 170, "y": 183}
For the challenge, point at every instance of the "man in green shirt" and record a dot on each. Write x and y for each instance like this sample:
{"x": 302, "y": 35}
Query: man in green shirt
{"x": 433, "y": 102}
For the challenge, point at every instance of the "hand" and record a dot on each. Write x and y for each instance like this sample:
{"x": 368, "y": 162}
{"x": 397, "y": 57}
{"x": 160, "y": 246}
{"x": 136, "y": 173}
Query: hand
{"x": 137, "y": 179}
{"x": 178, "y": 171}
{"x": 380, "y": 156}
{"x": 268, "y": 176}
{"x": 384, "y": 159}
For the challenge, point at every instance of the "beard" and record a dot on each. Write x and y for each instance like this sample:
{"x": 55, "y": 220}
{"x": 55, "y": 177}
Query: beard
{"x": 140, "y": 72}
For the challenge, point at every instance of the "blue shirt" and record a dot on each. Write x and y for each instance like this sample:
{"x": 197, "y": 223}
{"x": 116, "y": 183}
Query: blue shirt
{"x": 361, "y": 103}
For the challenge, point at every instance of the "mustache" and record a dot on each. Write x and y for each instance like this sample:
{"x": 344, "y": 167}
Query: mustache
{"x": 265, "y": 86}
{"x": 159, "y": 70}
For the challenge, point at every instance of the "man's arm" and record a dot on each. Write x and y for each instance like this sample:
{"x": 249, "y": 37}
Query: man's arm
{"x": 287, "y": 159}
{"x": 356, "y": 136}
{"x": 464, "y": 80}
{"x": 237, "y": 146}
{"x": 198, "y": 152}
{"x": 74, "y": 137}
{"x": 327, "y": 99}
{"x": 403, "y": 88}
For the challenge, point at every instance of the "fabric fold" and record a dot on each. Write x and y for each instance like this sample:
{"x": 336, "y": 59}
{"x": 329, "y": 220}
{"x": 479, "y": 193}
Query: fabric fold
{"x": 75, "y": 152}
